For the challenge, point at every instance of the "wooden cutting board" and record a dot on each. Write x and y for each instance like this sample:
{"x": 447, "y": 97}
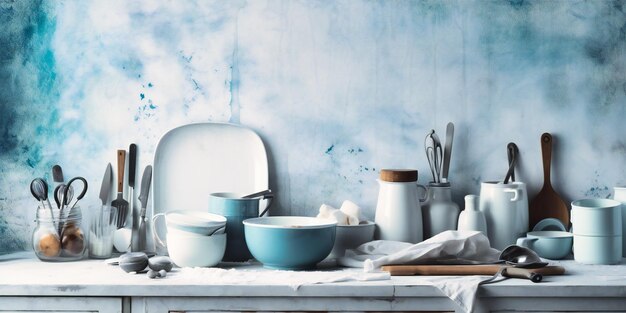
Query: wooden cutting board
{"x": 434, "y": 270}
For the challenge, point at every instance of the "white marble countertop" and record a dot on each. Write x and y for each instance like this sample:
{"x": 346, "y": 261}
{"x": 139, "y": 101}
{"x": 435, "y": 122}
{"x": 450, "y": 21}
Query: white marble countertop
{"x": 21, "y": 274}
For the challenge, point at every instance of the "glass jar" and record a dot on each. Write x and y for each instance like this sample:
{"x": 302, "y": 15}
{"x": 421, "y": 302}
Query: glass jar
{"x": 59, "y": 238}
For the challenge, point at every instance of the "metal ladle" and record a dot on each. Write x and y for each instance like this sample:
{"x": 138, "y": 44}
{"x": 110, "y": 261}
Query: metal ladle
{"x": 521, "y": 257}
{"x": 518, "y": 257}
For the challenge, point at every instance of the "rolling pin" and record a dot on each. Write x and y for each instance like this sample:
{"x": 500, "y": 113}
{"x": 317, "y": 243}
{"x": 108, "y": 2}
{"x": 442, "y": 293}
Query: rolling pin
{"x": 534, "y": 274}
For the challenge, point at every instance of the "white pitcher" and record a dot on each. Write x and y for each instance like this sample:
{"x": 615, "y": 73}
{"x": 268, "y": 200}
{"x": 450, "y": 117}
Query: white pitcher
{"x": 506, "y": 210}
{"x": 398, "y": 212}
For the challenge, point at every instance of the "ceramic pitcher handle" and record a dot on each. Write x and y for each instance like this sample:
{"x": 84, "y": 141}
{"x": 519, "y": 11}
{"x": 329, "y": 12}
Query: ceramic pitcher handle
{"x": 426, "y": 196}
{"x": 156, "y": 233}
{"x": 515, "y": 192}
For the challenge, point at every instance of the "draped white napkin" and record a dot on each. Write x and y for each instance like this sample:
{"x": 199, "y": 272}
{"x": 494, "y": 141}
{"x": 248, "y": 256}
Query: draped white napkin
{"x": 449, "y": 247}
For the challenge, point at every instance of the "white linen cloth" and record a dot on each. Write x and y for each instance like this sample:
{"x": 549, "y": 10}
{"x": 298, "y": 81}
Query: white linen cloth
{"x": 449, "y": 247}
{"x": 293, "y": 279}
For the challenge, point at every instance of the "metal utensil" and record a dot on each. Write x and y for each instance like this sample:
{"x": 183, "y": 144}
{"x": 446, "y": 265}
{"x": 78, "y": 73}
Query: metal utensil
{"x": 69, "y": 189}
{"x": 429, "y": 146}
{"x": 521, "y": 257}
{"x": 105, "y": 187}
{"x": 59, "y": 194}
{"x": 512, "y": 152}
{"x": 120, "y": 203}
{"x": 547, "y": 203}
{"x": 447, "y": 152}
{"x": 146, "y": 180}
{"x": 39, "y": 190}
{"x": 66, "y": 200}
{"x": 132, "y": 169}
{"x": 438, "y": 156}
{"x": 258, "y": 194}
{"x": 433, "y": 153}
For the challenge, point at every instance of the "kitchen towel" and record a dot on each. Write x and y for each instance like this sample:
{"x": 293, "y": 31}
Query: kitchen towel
{"x": 449, "y": 247}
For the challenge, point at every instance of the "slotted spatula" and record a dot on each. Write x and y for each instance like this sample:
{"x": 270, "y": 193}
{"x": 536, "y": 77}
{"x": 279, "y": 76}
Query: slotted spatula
{"x": 547, "y": 203}
{"x": 120, "y": 203}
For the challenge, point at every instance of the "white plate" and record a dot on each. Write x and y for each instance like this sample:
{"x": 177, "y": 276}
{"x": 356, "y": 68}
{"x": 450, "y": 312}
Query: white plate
{"x": 194, "y": 160}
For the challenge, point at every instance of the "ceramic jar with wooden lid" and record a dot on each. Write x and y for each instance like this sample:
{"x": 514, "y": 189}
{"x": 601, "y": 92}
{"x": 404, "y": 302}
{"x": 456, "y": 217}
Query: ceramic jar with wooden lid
{"x": 398, "y": 211}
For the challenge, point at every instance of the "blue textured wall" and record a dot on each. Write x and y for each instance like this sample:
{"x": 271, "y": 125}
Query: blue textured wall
{"x": 337, "y": 90}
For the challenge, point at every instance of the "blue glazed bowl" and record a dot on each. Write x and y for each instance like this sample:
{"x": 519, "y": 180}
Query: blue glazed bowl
{"x": 289, "y": 242}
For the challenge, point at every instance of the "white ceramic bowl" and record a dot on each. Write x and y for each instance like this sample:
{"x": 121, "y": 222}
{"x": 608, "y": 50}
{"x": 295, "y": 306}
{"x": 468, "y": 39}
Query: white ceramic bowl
{"x": 597, "y": 249}
{"x": 549, "y": 244}
{"x": 199, "y": 222}
{"x": 196, "y": 251}
{"x": 596, "y": 217}
{"x": 352, "y": 236}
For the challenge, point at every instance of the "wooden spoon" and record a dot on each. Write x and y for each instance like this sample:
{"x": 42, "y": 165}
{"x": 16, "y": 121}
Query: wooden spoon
{"x": 547, "y": 203}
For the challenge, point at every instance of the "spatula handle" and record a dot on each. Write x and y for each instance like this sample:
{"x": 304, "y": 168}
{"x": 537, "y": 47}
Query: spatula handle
{"x": 546, "y": 153}
{"x": 121, "y": 159}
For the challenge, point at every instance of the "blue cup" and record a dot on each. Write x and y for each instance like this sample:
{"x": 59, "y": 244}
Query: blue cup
{"x": 236, "y": 209}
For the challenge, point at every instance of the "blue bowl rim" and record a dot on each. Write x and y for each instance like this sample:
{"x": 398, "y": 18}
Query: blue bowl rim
{"x": 321, "y": 223}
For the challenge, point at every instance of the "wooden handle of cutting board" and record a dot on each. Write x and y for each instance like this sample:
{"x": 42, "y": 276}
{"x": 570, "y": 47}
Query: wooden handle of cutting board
{"x": 434, "y": 270}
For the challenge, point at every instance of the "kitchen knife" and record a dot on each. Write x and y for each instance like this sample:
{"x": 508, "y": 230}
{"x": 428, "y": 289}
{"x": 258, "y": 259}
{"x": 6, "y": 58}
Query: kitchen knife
{"x": 146, "y": 179}
{"x": 105, "y": 187}
{"x": 132, "y": 169}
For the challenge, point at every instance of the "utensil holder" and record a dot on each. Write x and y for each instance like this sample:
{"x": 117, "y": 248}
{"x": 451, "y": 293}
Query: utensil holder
{"x": 59, "y": 238}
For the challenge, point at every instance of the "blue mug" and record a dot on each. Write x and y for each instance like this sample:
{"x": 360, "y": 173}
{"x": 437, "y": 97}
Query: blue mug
{"x": 236, "y": 209}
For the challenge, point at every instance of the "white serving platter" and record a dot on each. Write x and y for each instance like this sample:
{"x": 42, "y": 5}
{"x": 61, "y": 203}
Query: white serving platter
{"x": 194, "y": 160}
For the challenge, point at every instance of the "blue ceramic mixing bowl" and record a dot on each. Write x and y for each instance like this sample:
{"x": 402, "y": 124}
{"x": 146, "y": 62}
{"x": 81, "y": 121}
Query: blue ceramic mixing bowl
{"x": 289, "y": 242}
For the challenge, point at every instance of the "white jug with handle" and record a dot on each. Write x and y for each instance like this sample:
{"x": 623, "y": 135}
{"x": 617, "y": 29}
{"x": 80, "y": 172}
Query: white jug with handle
{"x": 506, "y": 210}
{"x": 398, "y": 211}
{"x": 620, "y": 195}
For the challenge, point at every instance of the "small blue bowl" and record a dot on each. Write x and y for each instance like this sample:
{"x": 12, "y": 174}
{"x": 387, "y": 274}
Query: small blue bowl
{"x": 289, "y": 242}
